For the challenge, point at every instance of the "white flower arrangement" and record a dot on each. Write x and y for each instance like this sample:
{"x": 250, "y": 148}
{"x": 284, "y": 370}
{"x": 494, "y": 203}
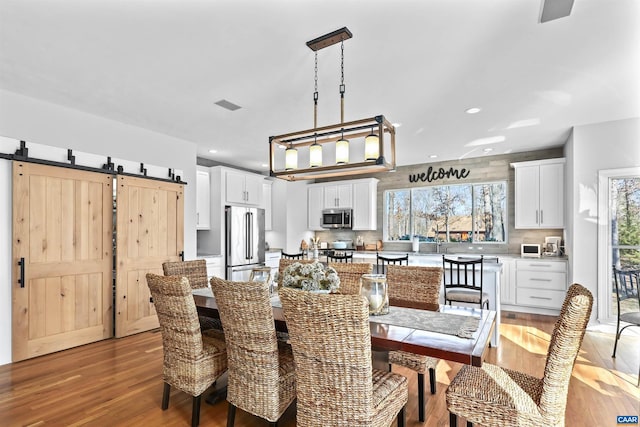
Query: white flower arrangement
{"x": 311, "y": 277}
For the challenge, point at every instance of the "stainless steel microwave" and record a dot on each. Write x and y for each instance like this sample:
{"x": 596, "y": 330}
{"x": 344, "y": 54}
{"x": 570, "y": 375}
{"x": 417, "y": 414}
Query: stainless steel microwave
{"x": 336, "y": 218}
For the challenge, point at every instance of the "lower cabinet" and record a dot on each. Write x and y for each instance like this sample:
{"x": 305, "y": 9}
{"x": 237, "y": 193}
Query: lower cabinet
{"x": 215, "y": 266}
{"x": 272, "y": 260}
{"x": 541, "y": 283}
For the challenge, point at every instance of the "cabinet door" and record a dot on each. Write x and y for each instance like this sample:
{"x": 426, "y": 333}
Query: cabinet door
{"x": 253, "y": 189}
{"x": 235, "y": 191}
{"x": 330, "y": 196}
{"x": 344, "y": 195}
{"x": 315, "y": 205}
{"x": 364, "y": 206}
{"x": 203, "y": 204}
{"x": 552, "y": 196}
{"x": 527, "y": 188}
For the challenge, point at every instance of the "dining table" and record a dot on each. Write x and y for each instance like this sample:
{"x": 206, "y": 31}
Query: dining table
{"x": 409, "y": 326}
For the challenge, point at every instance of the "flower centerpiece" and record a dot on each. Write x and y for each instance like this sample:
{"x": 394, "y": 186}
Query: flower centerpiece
{"x": 311, "y": 277}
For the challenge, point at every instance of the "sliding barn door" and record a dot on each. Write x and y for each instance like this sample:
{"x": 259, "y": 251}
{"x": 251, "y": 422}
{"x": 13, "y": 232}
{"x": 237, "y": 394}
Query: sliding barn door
{"x": 62, "y": 252}
{"x": 150, "y": 231}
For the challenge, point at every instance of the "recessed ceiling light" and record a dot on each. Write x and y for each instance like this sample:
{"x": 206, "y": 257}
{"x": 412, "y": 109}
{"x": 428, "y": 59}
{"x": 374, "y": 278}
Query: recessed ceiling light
{"x": 213, "y": 151}
{"x": 264, "y": 165}
{"x": 396, "y": 125}
{"x": 473, "y": 110}
{"x": 433, "y": 156}
{"x": 488, "y": 150}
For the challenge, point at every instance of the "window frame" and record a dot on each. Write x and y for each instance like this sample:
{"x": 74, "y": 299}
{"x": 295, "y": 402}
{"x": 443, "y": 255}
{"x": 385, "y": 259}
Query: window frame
{"x": 473, "y": 185}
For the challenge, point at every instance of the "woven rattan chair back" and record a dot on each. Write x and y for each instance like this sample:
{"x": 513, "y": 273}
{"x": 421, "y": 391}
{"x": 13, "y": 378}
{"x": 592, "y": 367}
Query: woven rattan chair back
{"x": 191, "y": 362}
{"x": 564, "y": 346}
{"x": 194, "y": 270}
{"x": 254, "y": 381}
{"x": 350, "y": 274}
{"x": 331, "y": 344}
{"x": 285, "y": 262}
{"x": 382, "y": 261}
{"x": 414, "y": 283}
{"x": 463, "y": 280}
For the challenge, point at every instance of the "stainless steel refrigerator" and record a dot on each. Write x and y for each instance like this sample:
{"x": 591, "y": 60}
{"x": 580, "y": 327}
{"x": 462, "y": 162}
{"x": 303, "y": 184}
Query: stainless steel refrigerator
{"x": 244, "y": 241}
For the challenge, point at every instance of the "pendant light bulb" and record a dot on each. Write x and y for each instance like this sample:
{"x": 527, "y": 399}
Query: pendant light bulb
{"x": 315, "y": 155}
{"x": 290, "y": 158}
{"x": 371, "y": 146}
{"x": 342, "y": 150}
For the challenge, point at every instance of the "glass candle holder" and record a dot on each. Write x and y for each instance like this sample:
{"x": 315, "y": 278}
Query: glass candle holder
{"x": 374, "y": 288}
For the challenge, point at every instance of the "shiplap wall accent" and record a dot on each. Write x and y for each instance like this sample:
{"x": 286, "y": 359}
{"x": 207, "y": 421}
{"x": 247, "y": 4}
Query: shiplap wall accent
{"x": 482, "y": 169}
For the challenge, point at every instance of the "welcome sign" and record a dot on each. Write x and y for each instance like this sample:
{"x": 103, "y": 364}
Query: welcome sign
{"x": 440, "y": 173}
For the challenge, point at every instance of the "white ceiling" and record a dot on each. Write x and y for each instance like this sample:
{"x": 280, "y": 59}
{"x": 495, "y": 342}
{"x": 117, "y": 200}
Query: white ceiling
{"x": 162, "y": 64}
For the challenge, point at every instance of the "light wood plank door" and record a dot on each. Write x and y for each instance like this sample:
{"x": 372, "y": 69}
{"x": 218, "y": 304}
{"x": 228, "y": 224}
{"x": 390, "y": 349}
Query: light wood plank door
{"x": 62, "y": 294}
{"x": 150, "y": 231}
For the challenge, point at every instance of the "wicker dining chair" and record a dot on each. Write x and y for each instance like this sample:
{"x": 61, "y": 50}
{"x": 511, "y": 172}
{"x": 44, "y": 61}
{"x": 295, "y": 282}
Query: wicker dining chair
{"x": 193, "y": 360}
{"x": 494, "y": 396}
{"x": 415, "y": 284}
{"x": 261, "y": 377}
{"x": 337, "y": 385}
{"x": 349, "y": 274}
{"x": 196, "y": 272}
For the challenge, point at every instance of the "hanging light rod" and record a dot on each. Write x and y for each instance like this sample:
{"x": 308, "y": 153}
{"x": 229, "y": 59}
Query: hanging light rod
{"x": 329, "y": 39}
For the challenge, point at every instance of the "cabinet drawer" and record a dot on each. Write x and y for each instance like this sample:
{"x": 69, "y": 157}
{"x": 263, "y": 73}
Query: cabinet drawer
{"x": 540, "y": 297}
{"x": 535, "y": 265}
{"x": 541, "y": 280}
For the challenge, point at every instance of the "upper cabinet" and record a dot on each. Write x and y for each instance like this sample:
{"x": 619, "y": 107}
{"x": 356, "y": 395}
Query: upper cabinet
{"x": 243, "y": 188}
{"x": 358, "y": 194}
{"x": 539, "y": 194}
{"x": 203, "y": 203}
{"x": 266, "y": 200}
{"x": 365, "y": 193}
{"x": 338, "y": 196}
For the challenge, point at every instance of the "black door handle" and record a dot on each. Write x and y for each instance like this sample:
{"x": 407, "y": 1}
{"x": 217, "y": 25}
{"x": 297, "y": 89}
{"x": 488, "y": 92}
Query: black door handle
{"x": 181, "y": 255}
{"x": 21, "y": 279}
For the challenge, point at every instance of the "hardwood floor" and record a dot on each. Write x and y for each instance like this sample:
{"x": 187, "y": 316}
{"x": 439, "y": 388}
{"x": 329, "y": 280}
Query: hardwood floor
{"x": 118, "y": 382}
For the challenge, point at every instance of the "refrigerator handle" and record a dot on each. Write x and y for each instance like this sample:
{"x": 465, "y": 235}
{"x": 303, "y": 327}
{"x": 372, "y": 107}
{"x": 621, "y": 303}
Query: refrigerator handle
{"x": 251, "y": 235}
{"x": 247, "y": 226}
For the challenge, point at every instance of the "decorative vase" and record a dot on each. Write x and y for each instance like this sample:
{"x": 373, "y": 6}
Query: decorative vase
{"x": 374, "y": 288}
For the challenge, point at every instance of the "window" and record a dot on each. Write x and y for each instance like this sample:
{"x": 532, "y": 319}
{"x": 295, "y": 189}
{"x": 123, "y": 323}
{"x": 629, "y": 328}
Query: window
{"x": 448, "y": 213}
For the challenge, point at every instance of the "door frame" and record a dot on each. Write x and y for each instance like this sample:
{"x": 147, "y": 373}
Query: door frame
{"x": 604, "y": 238}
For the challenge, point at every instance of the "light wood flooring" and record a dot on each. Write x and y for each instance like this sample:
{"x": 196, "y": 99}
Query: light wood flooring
{"x": 118, "y": 382}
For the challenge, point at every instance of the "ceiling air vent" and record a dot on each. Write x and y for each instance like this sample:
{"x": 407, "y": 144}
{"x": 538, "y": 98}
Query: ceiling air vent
{"x": 228, "y": 105}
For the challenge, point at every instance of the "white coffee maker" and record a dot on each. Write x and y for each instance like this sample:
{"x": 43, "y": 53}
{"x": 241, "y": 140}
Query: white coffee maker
{"x": 552, "y": 246}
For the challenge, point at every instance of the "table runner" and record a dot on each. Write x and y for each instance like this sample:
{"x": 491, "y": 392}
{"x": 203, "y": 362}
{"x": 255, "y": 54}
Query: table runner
{"x": 432, "y": 321}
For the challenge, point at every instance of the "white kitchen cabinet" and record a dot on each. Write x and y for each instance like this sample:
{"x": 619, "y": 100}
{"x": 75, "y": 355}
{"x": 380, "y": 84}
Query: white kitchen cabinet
{"x": 315, "y": 204}
{"x": 338, "y": 195}
{"x": 267, "y": 205}
{"x": 541, "y": 283}
{"x": 243, "y": 188}
{"x": 507, "y": 281}
{"x": 365, "y": 197}
{"x": 539, "y": 194}
{"x": 215, "y": 266}
{"x": 203, "y": 201}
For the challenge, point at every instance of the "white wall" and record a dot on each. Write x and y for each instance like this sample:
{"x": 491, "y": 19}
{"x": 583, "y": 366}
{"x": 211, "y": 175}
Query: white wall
{"x": 593, "y": 147}
{"x": 40, "y": 122}
{"x": 5, "y": 262}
